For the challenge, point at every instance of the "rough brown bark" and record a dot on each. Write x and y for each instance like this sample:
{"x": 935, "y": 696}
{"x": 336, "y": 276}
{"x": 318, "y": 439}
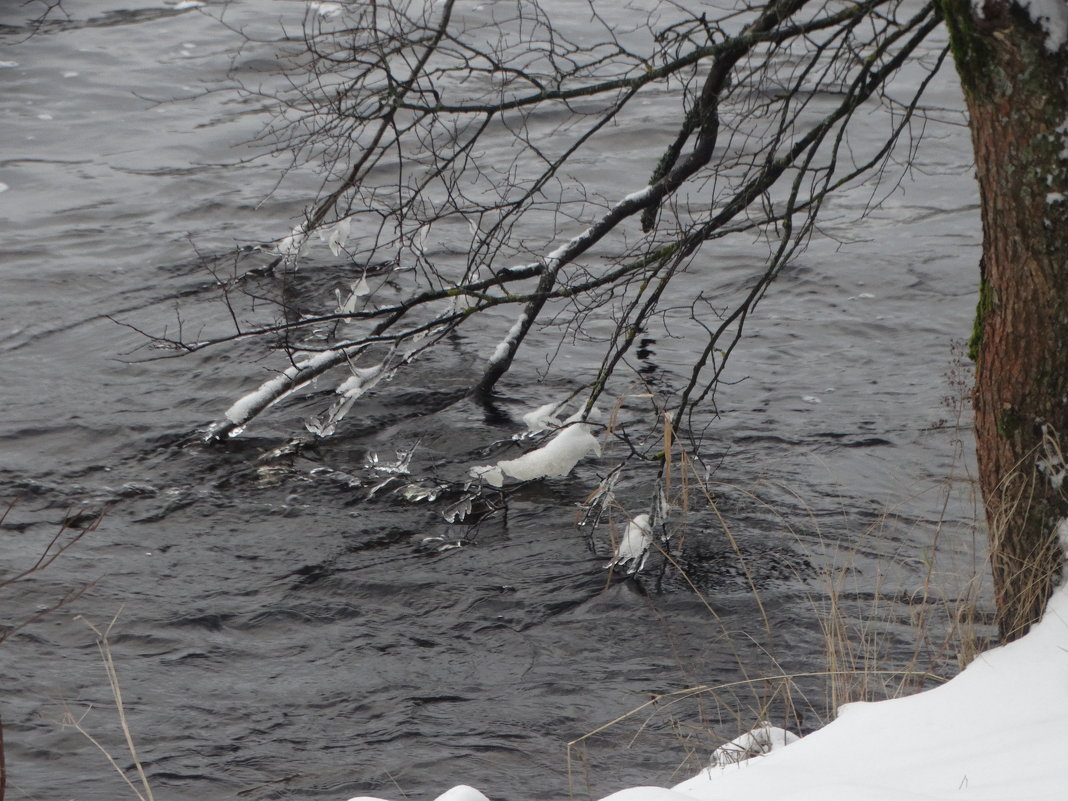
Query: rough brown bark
{"x": 1015, "y": 90}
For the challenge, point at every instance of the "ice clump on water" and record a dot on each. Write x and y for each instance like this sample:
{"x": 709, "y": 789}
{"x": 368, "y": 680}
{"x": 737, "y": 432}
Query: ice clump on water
{"x": 554, "y": 459}
{"x": 633, "y": 548}
{"x": 762, "y": 739}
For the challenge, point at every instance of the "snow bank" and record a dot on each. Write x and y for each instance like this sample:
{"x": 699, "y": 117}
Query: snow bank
{"x": 997, "y": 732}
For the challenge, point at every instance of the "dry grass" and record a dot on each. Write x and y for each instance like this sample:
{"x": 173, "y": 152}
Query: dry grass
{"x": 1025, "y": 568}
{"x": 144, "y": 792}
{"x": 879, "y": 640}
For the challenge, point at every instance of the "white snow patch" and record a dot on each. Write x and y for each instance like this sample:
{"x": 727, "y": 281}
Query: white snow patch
{"x": 1054, "y": 197}
{"x": 633, "y": 547}
{"x": 1052, "y": 16}
{"x": 461, "y": 793}
{"x": 4, "y": 187}
{"x": 1062, "y": 534}
{"x": 762, "y": 739}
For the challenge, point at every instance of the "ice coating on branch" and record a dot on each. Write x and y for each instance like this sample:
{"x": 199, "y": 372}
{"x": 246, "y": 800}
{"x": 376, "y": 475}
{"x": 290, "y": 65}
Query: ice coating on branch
{"x": 762, "y": 739}
{"x": 357, "y": 289}
{"x": 337, "y": 234}
{"x": 554, "y": 459}
{"x": 273, "y": 390}
{"x": 633, "y": 547}
{"x": 500, "y": 353}
{"x": 1052, "y": 17}
{"x": 361, "y": 380}
{"x": 489, "y": 473}
{"x": 461, "y": 300}
{"x": 543, "y": 417}
{"x": 293, "y": 245}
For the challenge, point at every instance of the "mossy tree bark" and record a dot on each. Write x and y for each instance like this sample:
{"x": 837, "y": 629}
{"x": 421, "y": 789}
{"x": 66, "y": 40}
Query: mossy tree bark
{"x": 1015, "y": 78}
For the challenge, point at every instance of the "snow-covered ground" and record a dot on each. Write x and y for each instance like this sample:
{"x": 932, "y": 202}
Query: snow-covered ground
{"x": 996, "y": 732}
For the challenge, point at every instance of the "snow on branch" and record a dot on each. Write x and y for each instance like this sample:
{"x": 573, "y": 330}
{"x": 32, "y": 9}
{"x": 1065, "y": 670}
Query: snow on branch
{"x": 274, "y": 389}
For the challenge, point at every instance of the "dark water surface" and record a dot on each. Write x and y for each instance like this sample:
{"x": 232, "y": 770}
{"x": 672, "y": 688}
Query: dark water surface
{"x": 282, "y": 636}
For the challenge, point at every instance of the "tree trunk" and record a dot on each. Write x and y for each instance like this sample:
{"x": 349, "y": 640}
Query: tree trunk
{"x": 1015, "y": 78}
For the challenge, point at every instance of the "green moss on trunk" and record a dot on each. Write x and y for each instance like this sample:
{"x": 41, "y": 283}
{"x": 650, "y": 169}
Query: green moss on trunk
{"x": 971, "y": 53}
{"x": 982, "y": 309}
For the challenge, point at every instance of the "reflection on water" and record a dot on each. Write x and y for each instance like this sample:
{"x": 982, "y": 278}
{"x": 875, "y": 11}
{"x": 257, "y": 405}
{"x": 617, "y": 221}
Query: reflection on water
{"x": 283, "y": 634}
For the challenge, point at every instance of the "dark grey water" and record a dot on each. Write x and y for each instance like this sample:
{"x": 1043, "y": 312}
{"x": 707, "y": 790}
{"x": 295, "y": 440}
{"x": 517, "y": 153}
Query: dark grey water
{"x": 283, "y": 636}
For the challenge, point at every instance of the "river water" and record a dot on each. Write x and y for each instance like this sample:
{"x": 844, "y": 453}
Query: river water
{"x": 279, "y": 635}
